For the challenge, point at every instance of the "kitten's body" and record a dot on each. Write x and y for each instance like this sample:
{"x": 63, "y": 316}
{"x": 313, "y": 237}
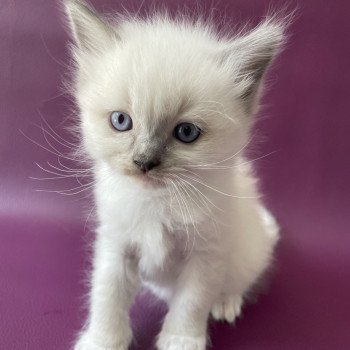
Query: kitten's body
{"x": 192, "y": 229}
{"x": 238, "y": 241}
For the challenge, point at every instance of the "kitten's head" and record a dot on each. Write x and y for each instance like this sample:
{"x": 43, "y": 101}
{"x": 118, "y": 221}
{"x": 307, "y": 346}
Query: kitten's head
{"x": 158, "y": 95}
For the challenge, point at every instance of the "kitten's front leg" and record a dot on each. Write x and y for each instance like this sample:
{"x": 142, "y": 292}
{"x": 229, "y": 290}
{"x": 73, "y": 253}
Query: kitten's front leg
{"x": 114, "y": 284}
{"x": 185, "y": 326}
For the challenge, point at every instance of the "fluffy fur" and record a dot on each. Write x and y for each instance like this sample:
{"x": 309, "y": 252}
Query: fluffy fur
{"x": 193, "y": 229}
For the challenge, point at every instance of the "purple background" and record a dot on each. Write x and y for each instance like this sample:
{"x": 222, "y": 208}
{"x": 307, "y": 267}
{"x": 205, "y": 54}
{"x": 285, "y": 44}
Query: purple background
{"x": 43, "y": 241}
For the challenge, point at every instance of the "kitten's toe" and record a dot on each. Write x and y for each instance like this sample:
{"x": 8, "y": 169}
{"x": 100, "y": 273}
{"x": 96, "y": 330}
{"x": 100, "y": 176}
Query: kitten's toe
{"x": 228, "y": 308}
{"x": 87, "y": 342}
{"x": 168, "y": 341}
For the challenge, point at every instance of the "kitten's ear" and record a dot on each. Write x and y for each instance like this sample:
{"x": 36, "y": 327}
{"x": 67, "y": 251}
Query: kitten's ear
{"x": 251, "y": 54}
{"x": 90, "y": 32}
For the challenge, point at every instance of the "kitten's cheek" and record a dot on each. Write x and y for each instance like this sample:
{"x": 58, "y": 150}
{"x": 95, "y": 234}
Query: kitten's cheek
{"x": 119, "y": 164}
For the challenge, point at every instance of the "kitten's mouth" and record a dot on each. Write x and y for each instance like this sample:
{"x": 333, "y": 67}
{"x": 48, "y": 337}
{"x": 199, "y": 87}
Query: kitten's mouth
{"x": 148, "y": 179}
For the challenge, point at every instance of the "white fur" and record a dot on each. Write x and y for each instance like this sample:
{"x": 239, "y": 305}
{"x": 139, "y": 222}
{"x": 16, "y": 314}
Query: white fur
{"x": 201, "y": 238}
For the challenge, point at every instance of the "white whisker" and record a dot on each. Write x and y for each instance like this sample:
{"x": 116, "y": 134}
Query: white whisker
{"x": 217, "y": 190}
{"x": 80, "y": 172}
{"x": 45, "y": 148}
{"x": 182, "y": 212}
{"x": 228, "y": 158}
{"x": 191, "y": 217}
{"x": 200, "y": 193}
{"x": 55, "y": 133}
{"x": 69, "y": 192}
{"x": 72, "y": 169}
{"x": 41, "y": 127}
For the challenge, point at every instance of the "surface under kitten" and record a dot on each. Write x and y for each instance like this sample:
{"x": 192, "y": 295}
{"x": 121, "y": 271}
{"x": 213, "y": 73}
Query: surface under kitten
{"x": 166, "y": 110}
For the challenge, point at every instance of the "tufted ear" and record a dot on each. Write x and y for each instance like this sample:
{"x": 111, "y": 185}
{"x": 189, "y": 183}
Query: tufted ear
{"x": 90, "y": 32}
{"x": 251, "y": 54}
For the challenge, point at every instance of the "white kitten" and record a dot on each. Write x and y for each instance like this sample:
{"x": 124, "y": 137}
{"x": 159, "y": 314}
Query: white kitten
{"x": 166, "y": 109}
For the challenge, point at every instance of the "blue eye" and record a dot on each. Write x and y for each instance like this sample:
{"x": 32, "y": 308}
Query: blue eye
{"x": 121, "y": 121}
{"x": 187, "y": 132}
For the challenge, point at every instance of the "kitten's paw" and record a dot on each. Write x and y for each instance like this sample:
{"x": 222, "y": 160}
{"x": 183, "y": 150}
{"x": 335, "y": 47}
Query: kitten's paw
{"x": 89, "y": 342}
{"x": 168, "y": 341}
{"x": 227, "y": 308}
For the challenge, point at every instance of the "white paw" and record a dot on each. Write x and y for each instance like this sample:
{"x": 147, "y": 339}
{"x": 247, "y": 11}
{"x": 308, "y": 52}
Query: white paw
{"x": 88, "y": 342}
{"x": 177, "y": 342}
{"x": 227, "y": 308}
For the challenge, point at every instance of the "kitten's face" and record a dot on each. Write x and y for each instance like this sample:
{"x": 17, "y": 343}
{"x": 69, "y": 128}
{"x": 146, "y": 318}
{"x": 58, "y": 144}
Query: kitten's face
{"x": 174, "y": 82}
{"x": 160, "y": 90}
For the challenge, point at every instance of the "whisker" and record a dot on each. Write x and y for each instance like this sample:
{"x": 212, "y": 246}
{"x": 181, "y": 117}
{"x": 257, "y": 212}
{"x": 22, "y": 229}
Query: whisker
{"x": 49, "y": 171}
{"x": 69, "y": 192}
{"x": 80, "y": 172}
{"x": 228, "y": 158}
{"x": 50, "y": 144}
{"x": 253, "y": 160}
{"x": 54, "y": 132}
{"x": 41, "y": 127}
{"x": 237, "y": 165}
{"x": 72, "y": 169}
{"x": 240, "y": 164}
{"x": 201, "y": 201}
{"x": 57, "y": 175}
{"x": 51, "y": 178}
{"x": 45, "y": 148}
{"x": 62, "y": 64}
{"x": 182, "y": 213}
{"x": 200, "y": 193}
{"x": 191, "y": 217}
{"x": 217, "y": 190}
{"x": 88, "y": 217}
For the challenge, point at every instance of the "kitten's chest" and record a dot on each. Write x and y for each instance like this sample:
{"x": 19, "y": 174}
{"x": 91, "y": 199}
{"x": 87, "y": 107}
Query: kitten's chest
{"x": 148, "y": 226}
{"x": 158, "y": 243}
{"x": 152, "y": 226}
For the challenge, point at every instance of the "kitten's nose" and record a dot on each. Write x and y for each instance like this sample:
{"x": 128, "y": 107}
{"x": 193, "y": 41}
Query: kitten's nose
{"x": 146, "y": 165}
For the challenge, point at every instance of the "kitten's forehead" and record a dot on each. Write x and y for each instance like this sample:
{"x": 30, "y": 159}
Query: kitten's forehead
{"x": 163, "y": 87}
{"x": 159, "y": 111}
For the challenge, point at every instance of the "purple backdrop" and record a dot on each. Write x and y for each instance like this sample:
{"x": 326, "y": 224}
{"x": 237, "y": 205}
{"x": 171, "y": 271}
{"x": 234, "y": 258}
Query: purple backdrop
{"x": 43, "y": 242}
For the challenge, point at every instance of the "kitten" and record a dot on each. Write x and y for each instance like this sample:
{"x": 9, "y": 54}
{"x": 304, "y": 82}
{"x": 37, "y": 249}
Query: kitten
{"x": 166, "y": 110}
